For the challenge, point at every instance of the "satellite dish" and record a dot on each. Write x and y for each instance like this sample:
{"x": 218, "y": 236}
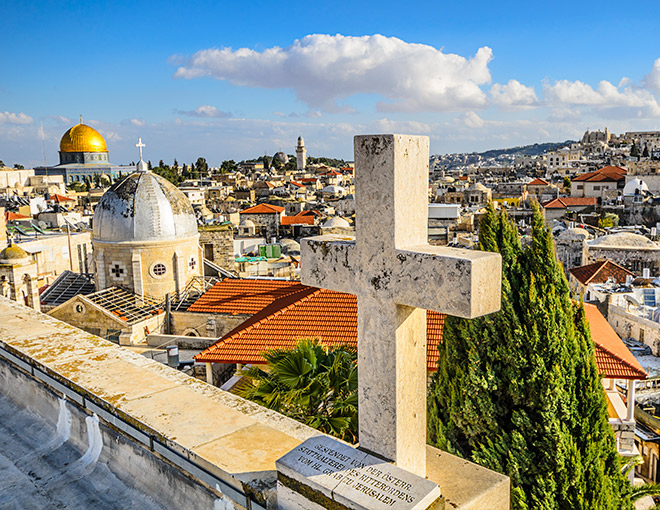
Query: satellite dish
{"x": 632, "y": 300}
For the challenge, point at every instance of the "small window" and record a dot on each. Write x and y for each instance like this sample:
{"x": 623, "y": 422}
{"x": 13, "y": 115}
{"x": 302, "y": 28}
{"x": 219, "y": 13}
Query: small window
{"x": 159, "y": 269}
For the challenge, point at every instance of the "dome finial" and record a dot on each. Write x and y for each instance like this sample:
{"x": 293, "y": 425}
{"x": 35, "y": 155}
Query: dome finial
{"x": 81, "y": 118}
{"x": 141, "y": 166}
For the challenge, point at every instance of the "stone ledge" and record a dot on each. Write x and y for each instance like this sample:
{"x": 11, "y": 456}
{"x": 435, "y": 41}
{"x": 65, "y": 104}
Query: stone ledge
{"x": 234, "y": 439}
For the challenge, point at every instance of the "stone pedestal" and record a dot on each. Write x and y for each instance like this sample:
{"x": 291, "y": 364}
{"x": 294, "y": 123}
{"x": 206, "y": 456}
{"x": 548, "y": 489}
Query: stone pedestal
{"x": 325, "y": 473}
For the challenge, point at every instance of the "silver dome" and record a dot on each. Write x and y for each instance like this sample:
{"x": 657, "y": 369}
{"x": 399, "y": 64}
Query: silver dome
{"x": 143, "y": 207}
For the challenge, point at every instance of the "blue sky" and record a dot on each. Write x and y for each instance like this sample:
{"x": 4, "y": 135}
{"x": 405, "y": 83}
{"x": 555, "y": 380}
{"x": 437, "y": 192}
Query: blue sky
{"x": 231, "y": 80}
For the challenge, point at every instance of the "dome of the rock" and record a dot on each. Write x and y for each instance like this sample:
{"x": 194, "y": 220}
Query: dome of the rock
{"x": 82, "y": 138}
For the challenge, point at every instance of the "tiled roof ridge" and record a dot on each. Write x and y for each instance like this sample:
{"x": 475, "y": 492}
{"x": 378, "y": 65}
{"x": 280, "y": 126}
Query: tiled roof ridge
{"x": 605, "y": 263}
{"x": 272, "y": 310}
{"x": 620, "y": 359}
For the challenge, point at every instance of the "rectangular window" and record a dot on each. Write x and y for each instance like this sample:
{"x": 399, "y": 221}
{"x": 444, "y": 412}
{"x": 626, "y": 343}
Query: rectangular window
{"x": 641, "y": 335}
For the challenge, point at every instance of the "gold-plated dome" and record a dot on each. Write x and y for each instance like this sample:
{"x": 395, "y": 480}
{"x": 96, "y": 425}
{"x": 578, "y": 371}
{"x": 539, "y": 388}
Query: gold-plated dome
{"x": 82, "y": 138}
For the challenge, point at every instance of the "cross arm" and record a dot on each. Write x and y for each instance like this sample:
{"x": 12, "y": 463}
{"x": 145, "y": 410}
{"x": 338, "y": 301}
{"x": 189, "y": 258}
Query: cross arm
{"x": 328, "y": 261}
{"x": 464, "y": 283}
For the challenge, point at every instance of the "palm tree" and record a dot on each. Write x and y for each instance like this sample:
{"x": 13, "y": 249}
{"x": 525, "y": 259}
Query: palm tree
{"x": 311, "y": 383}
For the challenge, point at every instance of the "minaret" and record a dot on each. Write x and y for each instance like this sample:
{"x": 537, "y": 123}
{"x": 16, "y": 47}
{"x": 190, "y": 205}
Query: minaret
{"x": 301, "y": 154}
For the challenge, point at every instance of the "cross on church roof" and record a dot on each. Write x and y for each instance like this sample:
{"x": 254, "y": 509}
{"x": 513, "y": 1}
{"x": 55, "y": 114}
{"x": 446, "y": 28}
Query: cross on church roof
{"x": 139, "y": 145}
{"x": 397, "y": 276}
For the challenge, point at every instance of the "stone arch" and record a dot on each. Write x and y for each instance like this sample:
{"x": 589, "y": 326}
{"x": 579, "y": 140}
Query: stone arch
{"x": 191, "y": 332}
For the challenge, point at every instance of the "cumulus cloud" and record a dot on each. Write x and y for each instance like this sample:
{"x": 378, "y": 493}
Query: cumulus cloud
{"x": 15, "y": 118}
{"x": 205, "y": 111}
{"x": 472, "y": 120}
{"x": 605, "y": 96}
{"x": 324, "y": 70}
{"x": 652, "y": 80}
{"x": 514, "y": 95}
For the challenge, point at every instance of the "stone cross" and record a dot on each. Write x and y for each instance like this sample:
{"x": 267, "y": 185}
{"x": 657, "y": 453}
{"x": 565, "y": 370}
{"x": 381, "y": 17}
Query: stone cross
{"x": 140, "y": 145}
{"x": 397, "y": 276}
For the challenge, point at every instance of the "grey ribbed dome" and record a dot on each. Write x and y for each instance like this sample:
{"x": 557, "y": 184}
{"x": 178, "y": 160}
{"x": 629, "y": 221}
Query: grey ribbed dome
{"x": 143, "y": 207}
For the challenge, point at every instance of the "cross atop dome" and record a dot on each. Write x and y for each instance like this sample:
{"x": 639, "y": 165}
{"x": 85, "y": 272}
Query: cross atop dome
{"x": 141, "y": 166}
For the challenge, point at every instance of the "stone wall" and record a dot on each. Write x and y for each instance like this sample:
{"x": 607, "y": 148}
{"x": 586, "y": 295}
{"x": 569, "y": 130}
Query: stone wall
{"x": 628, "y": 325}
{"x": 218, "y": 242}
{"x": 204, "y": 324}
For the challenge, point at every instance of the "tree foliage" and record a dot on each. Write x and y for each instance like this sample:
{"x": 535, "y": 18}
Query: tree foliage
{"x": 518, "y": 391}
{"x": 312, "y": 383}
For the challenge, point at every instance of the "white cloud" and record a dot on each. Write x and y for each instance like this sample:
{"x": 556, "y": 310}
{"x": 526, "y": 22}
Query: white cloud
{"x": 15, "y": 118}
{"x": 205, "y": 111}
{"x": 138, "y": 122}
{"x": 652, "y": 80}
{"x": 514, "y": 95}
{"x": 605, "y": 96}
{"x": 472, "y": 120}
{"x": 324, "y": 70}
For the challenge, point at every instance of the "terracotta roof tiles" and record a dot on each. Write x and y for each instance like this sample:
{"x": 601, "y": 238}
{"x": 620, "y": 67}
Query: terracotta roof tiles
{"x": 565, "y": 202}
{"x": 311, "y": 313}
{"x": 263, "y": 209}
{"x": 600, "y": 272}
{"x": 539, "y": 182}
{"x": 613, "y": 358}
{"x": 608, "y": 173}
{"x": 243, "y": 297}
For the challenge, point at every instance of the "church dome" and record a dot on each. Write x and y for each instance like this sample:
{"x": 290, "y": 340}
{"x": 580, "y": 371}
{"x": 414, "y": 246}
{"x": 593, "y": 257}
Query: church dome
{"x": 143, "y": 207}
{"x": 336, "y": 222}
{"x": 82, "y": 138}
{"x": 13, "y": 255}
{"x": 625, "y": 240}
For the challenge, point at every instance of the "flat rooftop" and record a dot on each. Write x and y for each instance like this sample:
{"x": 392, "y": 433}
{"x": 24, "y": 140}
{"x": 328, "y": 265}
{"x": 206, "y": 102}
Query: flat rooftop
{"x": 40, "y": 471}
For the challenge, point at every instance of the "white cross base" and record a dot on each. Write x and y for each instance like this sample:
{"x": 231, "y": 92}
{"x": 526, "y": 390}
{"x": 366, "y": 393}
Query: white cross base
{"x": 397, "y": 276}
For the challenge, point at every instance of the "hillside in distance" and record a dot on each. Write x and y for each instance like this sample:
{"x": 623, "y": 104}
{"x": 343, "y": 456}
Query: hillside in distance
{"x": 493, "y": 157}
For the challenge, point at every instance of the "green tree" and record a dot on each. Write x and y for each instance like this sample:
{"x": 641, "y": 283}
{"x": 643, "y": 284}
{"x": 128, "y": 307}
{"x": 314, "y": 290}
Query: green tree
{"x": 608, "y": 220}
{"x": 567, "y": 183}
{"x": 518, "y": 391}
{"x": 18, "y": 167}
{"x": 645, "y": 152}
{"x": 228, "y": 166}
{"x": 314, "y": 384}
{"x": 201, "y": 167}
{"x": 175, "y": 166}
{"x": 634, "y": 151}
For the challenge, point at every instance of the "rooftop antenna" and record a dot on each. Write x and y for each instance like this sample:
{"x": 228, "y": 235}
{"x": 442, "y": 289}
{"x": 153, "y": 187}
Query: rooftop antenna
{"x": 43, "y": 146}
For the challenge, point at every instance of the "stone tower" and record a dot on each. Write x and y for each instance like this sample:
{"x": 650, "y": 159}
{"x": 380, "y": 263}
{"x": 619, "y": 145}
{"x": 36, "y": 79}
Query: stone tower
{"x": 301, "y": 154}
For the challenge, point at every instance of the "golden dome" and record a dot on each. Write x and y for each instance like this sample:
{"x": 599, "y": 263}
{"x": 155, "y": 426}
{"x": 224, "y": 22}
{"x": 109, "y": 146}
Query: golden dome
{"x": 82, "y": 138}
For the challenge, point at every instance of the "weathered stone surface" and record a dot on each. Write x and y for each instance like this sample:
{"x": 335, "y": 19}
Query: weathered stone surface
{"x": 397, "y": 275}
{"x": 324, "y": 470}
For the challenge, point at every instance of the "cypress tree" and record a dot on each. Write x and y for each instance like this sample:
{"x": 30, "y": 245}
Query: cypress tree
{"x": 518, "y": 391}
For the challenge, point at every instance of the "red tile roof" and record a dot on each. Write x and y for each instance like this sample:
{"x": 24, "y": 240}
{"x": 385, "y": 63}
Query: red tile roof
{"x": 613, "y": 358}
{"x": 9, "y": 216}
{"x": 61, "y": 198}
{"x": 539, "y": 182}
{"x": 311, "y": 313}
{"x": 606, "y": 174}
{"x": 600, "y": 272}
{"x": 263, "y": 209}
{"x": 309, "y": 180}
{"x": 331, "y": 172}
{"x": 297, "y": 184}
{"x": 297, "y": 220}
{"x": 285, "y": 312}
{"x": 238, "y": 297}
{"x": 565, "y": 202}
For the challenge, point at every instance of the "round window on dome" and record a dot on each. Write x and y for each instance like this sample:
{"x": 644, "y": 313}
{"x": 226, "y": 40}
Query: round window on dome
{"x": 158, "y": 270}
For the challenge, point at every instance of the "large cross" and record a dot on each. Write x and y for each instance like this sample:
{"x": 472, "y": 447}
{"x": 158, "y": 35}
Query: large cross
{"x": 397, "y": 276}
{"x": 140, "y": 145}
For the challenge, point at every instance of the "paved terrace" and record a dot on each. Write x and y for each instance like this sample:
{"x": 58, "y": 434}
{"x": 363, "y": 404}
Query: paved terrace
{"x": 170, "y": 435}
